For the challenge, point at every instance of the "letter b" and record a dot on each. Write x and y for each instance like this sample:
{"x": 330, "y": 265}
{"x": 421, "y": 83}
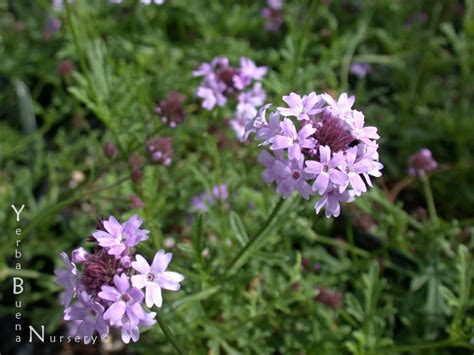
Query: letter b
{"x": 17, "y": 285}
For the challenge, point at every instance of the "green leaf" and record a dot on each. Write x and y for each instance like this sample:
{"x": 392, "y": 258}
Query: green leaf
{"x": 238, "y": 228}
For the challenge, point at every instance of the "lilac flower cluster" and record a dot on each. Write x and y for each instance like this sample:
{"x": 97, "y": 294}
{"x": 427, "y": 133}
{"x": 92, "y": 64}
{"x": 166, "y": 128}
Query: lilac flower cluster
{"x": 221, "y": 82}
{"x": 327, "y": 149}
{"x": 421, "y": 163}
{"x": 202, "y": 201}
{"x": 273, "y": 15}
{"x": 111, "y": 284}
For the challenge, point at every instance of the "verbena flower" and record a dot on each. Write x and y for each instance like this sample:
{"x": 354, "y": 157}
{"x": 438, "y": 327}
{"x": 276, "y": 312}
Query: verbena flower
{"x": 155, "y": 277}
{"x": 117, "y": 238}
{"x": 202, "y": 201}
{"x": 421, "y": 163}
{"x": 101, "y": 287}
{"x": 171, "y": 109}
{"x": 241, "y": 85}
{"x": 320, "y": 146}
{"x": 160, "y": 150}
{"x": 273, "y": 15}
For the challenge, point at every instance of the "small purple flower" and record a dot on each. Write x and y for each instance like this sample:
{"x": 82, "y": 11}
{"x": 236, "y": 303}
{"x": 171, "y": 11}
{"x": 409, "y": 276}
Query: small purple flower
{"x": 79, "y": 255}
{"x": 204, "y": 200}
{"x": 331, "y": 201}
{"x": 155, "y": 277}
{"x": 125, "y": 300}
{"x": 291, "y": 176}
{"x": 248, "y": 71}
{"x": 359, "y": 131}
{"x": 327, "y": 170}
{"x": 171, "y": 109}
{"x": 360, "y": 69}
{"x": 341, "y": 107}
{"x": 160, "y": 150}
{"x": 273, "y": 15}
{"x": 293, "y": 141}
{"x": 268, "y": 161}
{"x": 117, "y": 237}
{"x": 300, "y": 107}
{"x": 421, "y": 163}
{"x": 89, "y": 316}
{"x": 68, "y": 279}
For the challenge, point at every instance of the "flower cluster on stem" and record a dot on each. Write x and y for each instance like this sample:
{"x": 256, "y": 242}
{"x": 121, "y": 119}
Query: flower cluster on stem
{"x": 109, "y": 287}
{"x": 317, "y": 145}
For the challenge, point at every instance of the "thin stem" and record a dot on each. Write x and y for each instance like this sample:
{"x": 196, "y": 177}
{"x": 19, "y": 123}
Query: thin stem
{"x": 429, "y": 199}
{"x": 168, "y": 333}
{"x": 252, "y": 246}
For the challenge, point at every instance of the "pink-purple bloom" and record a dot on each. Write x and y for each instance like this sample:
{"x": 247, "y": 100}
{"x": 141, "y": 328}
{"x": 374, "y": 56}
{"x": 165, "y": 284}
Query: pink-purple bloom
{"x": 241, "y": 85}
{"x": 154, "y": 278}
{"x": 273, "y": 15}
{"x": 320, "y": 146}
{"x": 421, "y": 163}
{"x": 203, "y": 201}
{"x": 103, "y": 284}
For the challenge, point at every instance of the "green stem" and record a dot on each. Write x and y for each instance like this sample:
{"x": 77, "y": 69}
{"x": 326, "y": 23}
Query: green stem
{"x": 429, "y": 199}
{"x": 254, "y": 244}
{"x": 168, "y": 333}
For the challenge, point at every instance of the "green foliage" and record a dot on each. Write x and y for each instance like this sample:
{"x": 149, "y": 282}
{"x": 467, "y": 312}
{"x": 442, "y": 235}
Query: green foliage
{"x": 252, "y": 286}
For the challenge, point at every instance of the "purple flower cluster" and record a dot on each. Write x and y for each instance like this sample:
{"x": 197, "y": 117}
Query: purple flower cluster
{"x": 221, "y": 82}
{"x": 171, "y": 109}
{"x": 421, "y": 163}
{"x": 273, "y": 15}
{"x": 327, "y": 149}
{"x": 108, "y": 283}
{"x": 203, "y": 201}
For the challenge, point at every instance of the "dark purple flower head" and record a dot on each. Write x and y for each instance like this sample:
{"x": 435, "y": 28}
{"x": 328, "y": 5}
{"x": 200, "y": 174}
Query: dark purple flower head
{"x": 65, "y": 67}
{"x": 421, "y": 163}
{"x": 329, "y": 298}
{"x": 320, "y": 140}
{"x": 160, "y": 150}
{"x": 171, "y": 109}
{"x": 99, "y": 269}
{"x": 110, "y": 150}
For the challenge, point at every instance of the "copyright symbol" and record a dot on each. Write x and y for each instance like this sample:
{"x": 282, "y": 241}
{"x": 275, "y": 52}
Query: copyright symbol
{"x": 104, "y": 338}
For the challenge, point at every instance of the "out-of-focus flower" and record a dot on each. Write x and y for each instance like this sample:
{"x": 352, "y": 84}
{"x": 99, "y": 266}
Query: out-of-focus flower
{"x": 155, "y": 277}
{"x": 273, "y": 15}
{"x": 421, "y": 163}
{"x": 102, "y": 287}
{"x": 136, "y": 202}
{"x": 327, "y": 143}
{"x": 203, "y": 201}
{"x": 65, "y": 68}
{"x": 222, "y": 82}
{"x": 360, "y": 69}
{"x": 52, "y": 25}
{"x": 110, "y": 150}
{"x": 160, "y": 150}
{"x": 171, "y": 109}
{"x": 329, "y": 298}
